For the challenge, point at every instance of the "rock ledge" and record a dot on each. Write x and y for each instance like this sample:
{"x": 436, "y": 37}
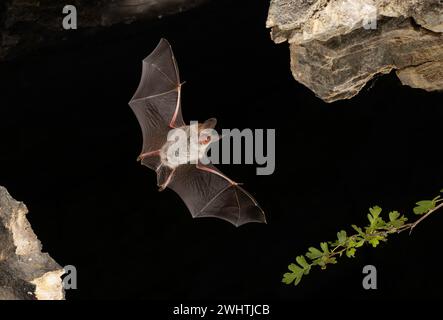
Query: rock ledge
{"x": 337, "y": 46}
{"x": 25, "y": 272}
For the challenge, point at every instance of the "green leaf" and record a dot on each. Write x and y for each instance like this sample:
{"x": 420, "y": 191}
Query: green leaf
{"x": 294, "y": 268}
{"x": 331, "y": 260}
{"x": 398, "y": 223}
{"x": 374, "y": 242}
{"x": 342, "y": 237}
{"x": 288, "y": 277}
{"x": 375, "y": 220}
{"x": 297, "y": 280}
{"x": 395, "y": 220}
{"x": 360, "y": 243}
{"x": 394, "y": 215}
{"x": 352, "y": 245}
{"x": 424, "y": 206}
{"x": 419, "y": 210}
{"x": 314, "y": 253}
{"x": 294, "y": 276}
{"x": 302, "y": 261}
{"x": 441, "y": 190}
{"x": 358, "y": 229}
{"x": 324, "y": 247}
{"x": 375, "y": 211}
{"x": 350, "y": 253}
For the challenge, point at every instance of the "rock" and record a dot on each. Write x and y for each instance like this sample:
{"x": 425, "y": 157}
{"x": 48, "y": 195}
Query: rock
{"x": 29, "y": 24}
{"x": 25, "y": 272}
{"x": 428, "y": 76}
{"x": 131, "y": 10}
{"x": 337, "y": 46}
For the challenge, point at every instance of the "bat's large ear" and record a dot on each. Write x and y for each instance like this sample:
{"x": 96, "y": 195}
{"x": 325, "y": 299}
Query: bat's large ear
{"x": 210, "y": 123}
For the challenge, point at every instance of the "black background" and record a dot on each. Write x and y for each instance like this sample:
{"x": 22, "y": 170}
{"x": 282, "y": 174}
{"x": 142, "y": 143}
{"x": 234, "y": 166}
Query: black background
{"x": 69, "y": 142}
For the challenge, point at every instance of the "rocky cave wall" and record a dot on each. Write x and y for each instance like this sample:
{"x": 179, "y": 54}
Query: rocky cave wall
{"x": 337, "y": 46}
{"x": 29, "y": 24}
{"x": 25, "y": 272}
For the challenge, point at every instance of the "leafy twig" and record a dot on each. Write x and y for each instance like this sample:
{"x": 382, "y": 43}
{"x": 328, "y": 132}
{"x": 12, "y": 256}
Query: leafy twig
{"x": 378, "y": 230}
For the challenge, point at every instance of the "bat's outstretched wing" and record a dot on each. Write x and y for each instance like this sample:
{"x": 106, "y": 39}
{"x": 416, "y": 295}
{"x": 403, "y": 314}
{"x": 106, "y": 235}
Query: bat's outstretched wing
{"x": 208, "y": 193}
{"x": 204, "y": 189}
{"x": 156, "y": 102}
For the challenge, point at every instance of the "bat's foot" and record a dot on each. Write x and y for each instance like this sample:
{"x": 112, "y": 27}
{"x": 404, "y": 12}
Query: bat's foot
{"x": 168, "y": 180}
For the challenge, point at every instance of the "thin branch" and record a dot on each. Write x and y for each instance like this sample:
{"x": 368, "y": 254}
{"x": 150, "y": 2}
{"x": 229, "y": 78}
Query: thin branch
{"x": 377, "y": 231}
{"x": 425, "y": 216}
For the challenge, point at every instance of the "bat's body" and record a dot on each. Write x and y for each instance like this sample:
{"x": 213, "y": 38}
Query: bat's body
{"x": 195, "y": 149}
{"x": 205, "y": 190}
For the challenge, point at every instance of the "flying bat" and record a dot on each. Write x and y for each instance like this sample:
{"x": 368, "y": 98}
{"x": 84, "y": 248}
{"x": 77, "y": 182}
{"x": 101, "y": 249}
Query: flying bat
{"x": 206, "y": 191}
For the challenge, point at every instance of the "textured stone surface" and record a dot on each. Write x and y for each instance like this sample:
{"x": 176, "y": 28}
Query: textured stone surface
{"x": 334, "y": 52}
{"x": 25, "y": 272}
{"x": 428, "y": 76}
{"x": 29, "y": 24}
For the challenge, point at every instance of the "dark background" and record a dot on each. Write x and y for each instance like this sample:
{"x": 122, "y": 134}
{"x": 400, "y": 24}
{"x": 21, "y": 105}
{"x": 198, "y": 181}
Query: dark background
{"x": 69, "y": 142}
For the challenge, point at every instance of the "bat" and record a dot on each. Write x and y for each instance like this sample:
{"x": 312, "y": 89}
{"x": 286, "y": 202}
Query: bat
{"x": 205, "y": 190}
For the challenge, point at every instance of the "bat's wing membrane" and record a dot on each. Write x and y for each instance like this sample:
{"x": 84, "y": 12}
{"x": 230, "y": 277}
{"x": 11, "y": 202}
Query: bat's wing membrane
{"x": 157, "y": 100}
{"x": 157, "y": 106}
{"x": 211, "y": 195}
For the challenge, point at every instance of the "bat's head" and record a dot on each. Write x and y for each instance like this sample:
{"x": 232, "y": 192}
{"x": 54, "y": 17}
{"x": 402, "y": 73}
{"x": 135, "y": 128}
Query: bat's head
{"x": 206, "y": 132}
